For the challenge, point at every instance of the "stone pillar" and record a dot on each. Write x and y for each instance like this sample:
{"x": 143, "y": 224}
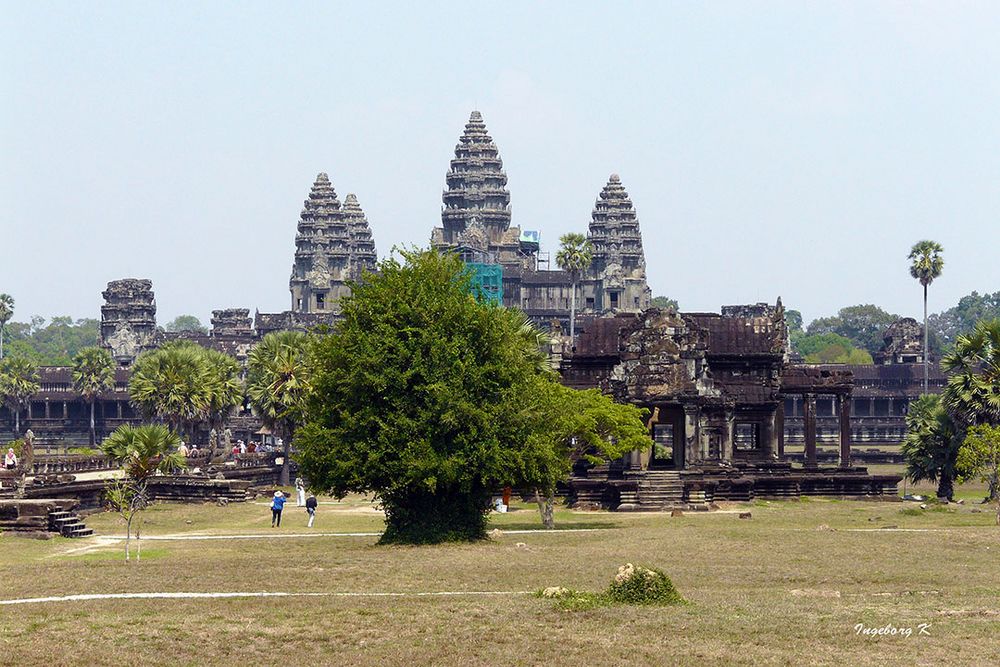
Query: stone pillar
{"x": 65, "y": 414}
{"x": 48, "y": 412}
{"x": 890, "y": 406}
{"x": 779, "y": 429}
{"x": 845, "y": 431}
{"x": 771, "y": 433}
{"x": 692, "y": 434}
{"x": 871, "y": 407}
{"x": 810, "y": 422}
{"x": 118, "y": 409}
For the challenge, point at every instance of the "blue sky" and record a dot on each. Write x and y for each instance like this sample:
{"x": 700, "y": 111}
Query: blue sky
{"x": 793, "y": 149}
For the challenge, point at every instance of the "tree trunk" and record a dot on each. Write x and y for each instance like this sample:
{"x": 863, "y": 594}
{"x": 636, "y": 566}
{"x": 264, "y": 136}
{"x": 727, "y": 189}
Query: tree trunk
{"x": 946, "y": 487}
{"x": 93, "y": 429}
{"x": 128, "y": 537}
{"x": 546, "y": 505}
{"x": 926, "y": 360}
{"x": 572, "y": 315}
{"x": 283, "y": 480}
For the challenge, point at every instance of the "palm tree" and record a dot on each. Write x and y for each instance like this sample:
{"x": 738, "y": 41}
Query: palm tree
{"x": 6, "y": 312}
{"x": 277, "y": 383}
{"x": 93, "y": 374}
{"x": 926, "y": 264}
{"x": 972, "y": 394}
{"x": 225, "y": 389}
{"x": 143, "y": 452}
{"x": 18, "y": 383}
{"x": 574, "y": 257}
{"x": 932, "y": 444}
{"x": 172, "y": 383}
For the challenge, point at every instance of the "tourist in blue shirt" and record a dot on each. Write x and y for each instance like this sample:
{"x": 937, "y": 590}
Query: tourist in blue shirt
{"x": 277, "y": 505}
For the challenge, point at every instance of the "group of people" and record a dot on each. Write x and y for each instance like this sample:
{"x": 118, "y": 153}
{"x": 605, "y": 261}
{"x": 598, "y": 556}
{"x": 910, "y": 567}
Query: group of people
{"x": 278, "y": 503}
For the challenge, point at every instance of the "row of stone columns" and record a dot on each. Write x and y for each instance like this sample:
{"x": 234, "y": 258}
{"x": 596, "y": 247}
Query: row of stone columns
{"x": 809, "y": 415}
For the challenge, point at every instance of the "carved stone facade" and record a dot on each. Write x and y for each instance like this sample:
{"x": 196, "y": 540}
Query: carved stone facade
{"x": 333, "y": 245}
{"x": 128, "y": 319}
{"x": 903, "y": 343}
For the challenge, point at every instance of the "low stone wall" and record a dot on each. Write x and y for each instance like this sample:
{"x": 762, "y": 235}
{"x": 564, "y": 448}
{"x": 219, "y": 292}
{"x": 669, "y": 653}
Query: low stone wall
{"x": 31, "y": 516}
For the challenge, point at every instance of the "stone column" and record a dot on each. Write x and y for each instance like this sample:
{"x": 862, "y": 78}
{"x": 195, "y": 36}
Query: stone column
{"x": 779, "y": 429}
{"x": 692, "y": 434}
{"x": 809, "y": 415}
{"x": 845, "y": 431}
{"x": 118, "y": 408}
{"x": 65, "y": 413}
{"x": 48, "y": 412}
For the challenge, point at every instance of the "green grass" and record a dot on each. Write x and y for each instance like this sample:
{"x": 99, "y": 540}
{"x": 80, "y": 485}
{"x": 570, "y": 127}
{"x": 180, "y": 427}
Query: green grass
{"x": 786, "y": 587}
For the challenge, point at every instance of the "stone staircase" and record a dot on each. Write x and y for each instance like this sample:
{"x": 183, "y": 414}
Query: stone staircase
{"x": 660, "y": 490}
{"x": 68, "y": 524}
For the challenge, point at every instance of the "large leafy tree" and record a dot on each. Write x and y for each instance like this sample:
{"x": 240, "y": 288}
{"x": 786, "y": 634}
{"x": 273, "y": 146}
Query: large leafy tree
{"x": 172, "y": 383}
{"x": 420, "y": 397}
{"x": 926, "y": 265}
{"x": 186, "y": 323}
{"x": 564, "y": 425}
{"x": 862, "y": 324}
{"x": 6, "y": 312}
{"x": 277, "y": 385}
{"x": 979, "y": 456}
{"x": 93, "y": 375}
{"x": 18, "y": 384}
{"x": 931, "y": 444}
{"x": 829, "y": 348}
{"x": 574, "y": 257}
{"x": 664, "y": 302}
{"x": 52, "y": 344}
{"x": 143, "y": 451}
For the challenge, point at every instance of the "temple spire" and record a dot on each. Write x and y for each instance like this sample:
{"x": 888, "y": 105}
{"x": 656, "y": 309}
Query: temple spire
{"x": 614, "y": 229}
{"x": 363, "y": 255}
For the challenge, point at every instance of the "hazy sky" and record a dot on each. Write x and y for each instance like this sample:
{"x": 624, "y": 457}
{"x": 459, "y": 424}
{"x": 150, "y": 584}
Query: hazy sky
{"x": 793, "y": 149}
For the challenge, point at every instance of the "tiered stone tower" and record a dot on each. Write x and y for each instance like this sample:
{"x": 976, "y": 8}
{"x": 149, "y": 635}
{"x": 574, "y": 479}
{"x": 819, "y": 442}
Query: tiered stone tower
{"x": 476, "y": 213}
{"x": 325, "y": 250}
{"x": 618, "y": 273}
{"x": 363, "y": 256}
{"x": 128, "y": 319}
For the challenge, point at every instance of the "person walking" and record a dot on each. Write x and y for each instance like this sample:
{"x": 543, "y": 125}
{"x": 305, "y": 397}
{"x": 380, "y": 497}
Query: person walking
{"x": 277, "y": 505}
{"x": 311, "y": 509}
{"x": 300, "y": 492}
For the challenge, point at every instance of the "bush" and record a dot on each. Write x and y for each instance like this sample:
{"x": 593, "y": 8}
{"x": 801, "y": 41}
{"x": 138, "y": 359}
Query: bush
{"x": 640, "y": 585}
{"x": 18, "y": 446}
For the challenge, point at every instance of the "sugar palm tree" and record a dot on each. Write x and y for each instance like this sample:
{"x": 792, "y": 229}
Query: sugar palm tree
{"x": 972, "y": 393}
{"x": 18, "y": 383}
{"x": 172, "y": 383}
{"x": 225, "y": 388}
{"x": 574, "y": 257}
{"x": 931, "y": 444}
{"x": 6, "y": 312}
{"x": 277, "y": 383}
{"x": 926, "y": 264}
{"x": 93, "y": 374}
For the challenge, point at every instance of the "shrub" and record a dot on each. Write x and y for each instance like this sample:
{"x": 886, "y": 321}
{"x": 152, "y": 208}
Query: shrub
{"x": 639, "y": 585}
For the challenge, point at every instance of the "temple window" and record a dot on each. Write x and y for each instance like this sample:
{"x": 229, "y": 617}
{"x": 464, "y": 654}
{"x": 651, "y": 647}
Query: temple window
{"x": 320, "y": 302}
{"x": 747, "y": 436}
{"x": 590, "y": 303}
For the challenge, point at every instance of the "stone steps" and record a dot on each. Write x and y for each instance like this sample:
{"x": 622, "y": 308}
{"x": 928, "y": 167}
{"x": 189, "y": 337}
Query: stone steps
{"x": 660, "y": 489}
{"x": 68, "y": 524}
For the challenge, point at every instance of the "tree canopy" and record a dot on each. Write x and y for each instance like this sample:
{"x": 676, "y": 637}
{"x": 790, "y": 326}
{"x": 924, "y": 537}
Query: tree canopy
{"x": 423, "y": 396}
{"x": 665, "y": 302}
{"x": 54, "y": 344}
{"x": 863, "y": 325}
{"x": 185, "y": 323}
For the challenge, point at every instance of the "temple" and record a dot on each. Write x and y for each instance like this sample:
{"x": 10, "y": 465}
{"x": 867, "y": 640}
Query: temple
{"x": 333, "y": 245}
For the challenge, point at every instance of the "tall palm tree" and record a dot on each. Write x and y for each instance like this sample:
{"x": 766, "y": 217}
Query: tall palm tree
{"x": 926, "y": 264}
{"x": 93, "y": 374}
{"x": 277, "y": 383}
{"x": 172, "y": 383}
{"x": 574, "y": 257}
{"x": 225, "y": 388}
{"x": 6, "y": 312}
{"x": 18, "y": 383}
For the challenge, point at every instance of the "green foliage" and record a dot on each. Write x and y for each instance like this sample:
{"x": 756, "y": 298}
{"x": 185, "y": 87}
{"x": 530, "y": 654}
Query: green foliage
{"x": 863, "y": 325}
{"x": 973, "y": 390}
{"x": 665, "y": 302}
{"x": 6, "y": 312}
{"x": 979, "y": 457}
{"x": 421, "y": 397}
{"x": 926, "y": 262}
{"x": 575, "y": 254}
{"x": 829, "y": 348}
{"x": 931, "y": 444}
{"x": 53, "y": 345}
{"x": 93, "y": 372}
{"x": 642, "y": 586}
{"x": 793, "y": 320}
{"x": 18, "y": 383}
{"x": 947, "y": 326}
{"x": 184, "y": 383}
{"x": 144, "y": 450}
{"x": 186, "y": 323}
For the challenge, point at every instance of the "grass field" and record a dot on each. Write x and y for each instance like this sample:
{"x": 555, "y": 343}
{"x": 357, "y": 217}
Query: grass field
{"x": 788, "y": 586}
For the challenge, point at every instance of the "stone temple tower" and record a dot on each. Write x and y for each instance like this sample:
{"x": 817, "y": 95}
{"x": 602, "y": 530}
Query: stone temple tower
{"x": 128, "y": 319}
{"x": 475, "y": 217}
{"x": 332, "y": 240}
{"x": 617, "y": 277}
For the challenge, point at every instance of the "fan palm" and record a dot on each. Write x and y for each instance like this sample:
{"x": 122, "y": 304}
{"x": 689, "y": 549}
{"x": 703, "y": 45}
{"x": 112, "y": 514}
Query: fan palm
{"x": 277, "y": 383}
{"x": 973, "y": 390}
{"x": 574, "y": 257}
{"x": 6, "y": 312}
{"x": 172, "y": 383}
{"x": 93, "y": 374}
{"x": 225, "y": 389}
{"x": 18, "y": 383}
{"x": 932, "y": 443}
{"x": 926, "y": 264}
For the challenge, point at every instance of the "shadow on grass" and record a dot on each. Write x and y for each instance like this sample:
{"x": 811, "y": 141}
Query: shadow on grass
{"x": 568, "y": 525}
